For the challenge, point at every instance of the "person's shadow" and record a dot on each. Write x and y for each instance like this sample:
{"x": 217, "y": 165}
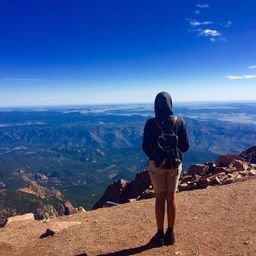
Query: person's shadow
{"x": 130, "y": 251}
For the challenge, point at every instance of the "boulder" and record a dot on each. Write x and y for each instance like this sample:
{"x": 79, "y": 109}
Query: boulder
{"x": 249, "y": 155}
{"x": 212, "y": 167}
{"x": 239, "y": 165}
{"x": 243, "y": 173}
{"x": 20, "y": 218}
{"x": 238, "y": 177}
{"x": 203, "y": 182}
{"x": 199, "y": 169}
{"x": 66, "y": 209}
{"x": 226, "y": 160}
{"x": 213, "y": 180}
{"x": 121, "y": 191}
{"x": 45, "y": 212}
{"x": 220, "y": 169}
{"x": 228, "y": 181}
{"x": 69, "y": 208}
{"x": 148, "y": 193}
{"x": 137, "y": 186}
{"x": 113, "y": 193}
{"x": 221, "y": 174}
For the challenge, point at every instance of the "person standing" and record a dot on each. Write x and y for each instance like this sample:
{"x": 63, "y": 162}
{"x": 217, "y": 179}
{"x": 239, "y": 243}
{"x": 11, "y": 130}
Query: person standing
{"x": 165, "y": 139}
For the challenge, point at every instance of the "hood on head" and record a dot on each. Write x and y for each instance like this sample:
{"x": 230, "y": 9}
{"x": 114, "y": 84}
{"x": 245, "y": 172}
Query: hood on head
{"x": 163, "y": 105}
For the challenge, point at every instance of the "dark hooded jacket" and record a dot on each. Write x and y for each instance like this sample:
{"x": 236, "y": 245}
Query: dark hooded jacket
{"x": 165, "y": 118}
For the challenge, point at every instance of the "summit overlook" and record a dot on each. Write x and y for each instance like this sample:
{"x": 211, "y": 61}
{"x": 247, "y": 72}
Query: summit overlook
{"x": 77, "y": 83}
{"x": 214, "y": 221}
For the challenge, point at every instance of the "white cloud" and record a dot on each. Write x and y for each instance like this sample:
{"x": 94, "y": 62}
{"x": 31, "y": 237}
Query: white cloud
{"x": 202, "y": 5}
{"x": 249, "y": 76}
{"x": 203, "y": 28}
{"x": 252, "y": 67}
{"x": 195, "y": 23}
{"x": 210, "y": 33}
{"x": 231, "y": 77}
{"x": 214, "y": 39}
{"x": 25, "y": 79}
{"x": 227, "y": 24}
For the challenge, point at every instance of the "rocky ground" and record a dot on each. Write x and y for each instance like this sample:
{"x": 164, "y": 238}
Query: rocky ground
{"x": 219, "y": 220}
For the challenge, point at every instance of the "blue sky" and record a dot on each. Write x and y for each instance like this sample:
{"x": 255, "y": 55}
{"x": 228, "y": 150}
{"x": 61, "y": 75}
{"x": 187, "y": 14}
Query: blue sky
{"x": 111, "y": 51}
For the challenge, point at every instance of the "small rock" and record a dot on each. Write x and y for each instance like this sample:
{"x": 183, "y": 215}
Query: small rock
{"x": 146, "y": 194}
{"x": 248, "y": 242}
{"x": 41, "y": 176}
{"x": 80, "y": 209}
{"x": 177, "y": 253}
{"x": 109, "y": 204}
{"x": 58, "y": 227}
{"x": 47, "y": 233}
{"x": 221, "y": 174}
{"x": 243, "y": 173}
{"x": 252, "y": 172}
{"x": 188, "y": 186}
{"x": 238, "y": 177}
{"x": 187, "y": 178}
{"x": 228, "y": 181}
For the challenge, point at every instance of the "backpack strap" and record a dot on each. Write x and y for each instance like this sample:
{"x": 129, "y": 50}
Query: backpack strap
{"x": 175, "y": 118}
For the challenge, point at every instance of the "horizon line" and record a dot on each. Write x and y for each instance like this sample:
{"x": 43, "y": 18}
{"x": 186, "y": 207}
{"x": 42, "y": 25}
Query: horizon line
{"x": 125, "y": 103}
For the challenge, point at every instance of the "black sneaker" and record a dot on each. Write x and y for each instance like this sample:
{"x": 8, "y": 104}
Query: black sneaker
{"x": 169, "y": 238}
{"x": 158, "y": 239}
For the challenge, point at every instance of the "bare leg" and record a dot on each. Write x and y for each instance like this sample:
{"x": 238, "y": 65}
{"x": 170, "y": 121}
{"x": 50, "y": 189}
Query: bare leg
{"x": 171, "y": 209}
{"x": 160, "y": 209}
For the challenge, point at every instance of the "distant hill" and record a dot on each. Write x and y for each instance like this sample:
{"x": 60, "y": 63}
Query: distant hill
{"x": 81, "y": 151}
{"x": 16, "y": 202}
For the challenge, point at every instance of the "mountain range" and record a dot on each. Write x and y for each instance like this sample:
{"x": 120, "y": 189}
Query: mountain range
{"x": 80, "y": 150}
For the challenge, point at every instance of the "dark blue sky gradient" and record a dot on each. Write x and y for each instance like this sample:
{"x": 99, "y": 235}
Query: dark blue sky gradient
{"x": 108, "y": 44}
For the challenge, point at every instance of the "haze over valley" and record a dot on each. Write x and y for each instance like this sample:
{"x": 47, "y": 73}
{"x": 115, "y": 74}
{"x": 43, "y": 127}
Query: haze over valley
{"x": 79, "y": 150}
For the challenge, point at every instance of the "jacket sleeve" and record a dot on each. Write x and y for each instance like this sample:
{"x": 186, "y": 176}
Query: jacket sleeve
{"x": 147, "y": 144}
{"x": 183, "y": 140}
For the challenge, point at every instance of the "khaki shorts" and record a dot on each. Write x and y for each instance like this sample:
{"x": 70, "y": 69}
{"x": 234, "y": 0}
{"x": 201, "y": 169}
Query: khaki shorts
{"x": 164, "y": 180}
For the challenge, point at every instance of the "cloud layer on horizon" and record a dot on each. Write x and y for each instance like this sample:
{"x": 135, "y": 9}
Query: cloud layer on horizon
{"x": 232, "y": 77}
{"x": 239, "y": 77}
